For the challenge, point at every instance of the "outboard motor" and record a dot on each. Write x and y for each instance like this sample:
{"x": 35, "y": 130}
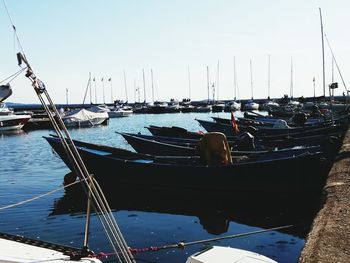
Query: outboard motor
{"x": 245, "y": 142}
{"x": 299, "y": 119}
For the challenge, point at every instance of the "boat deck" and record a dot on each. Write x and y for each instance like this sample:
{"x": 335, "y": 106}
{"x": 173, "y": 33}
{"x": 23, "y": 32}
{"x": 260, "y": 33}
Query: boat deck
{"x": 21, "y": 249}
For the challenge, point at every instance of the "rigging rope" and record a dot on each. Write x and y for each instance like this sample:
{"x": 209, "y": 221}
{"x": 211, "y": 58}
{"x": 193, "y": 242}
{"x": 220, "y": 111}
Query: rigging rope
{"x": 14, "y": 75}
{"x": 336, "y": 63}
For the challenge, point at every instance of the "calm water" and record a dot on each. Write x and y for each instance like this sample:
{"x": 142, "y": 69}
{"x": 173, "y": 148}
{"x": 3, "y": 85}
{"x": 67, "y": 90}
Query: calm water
{"x": 29, "y": 168}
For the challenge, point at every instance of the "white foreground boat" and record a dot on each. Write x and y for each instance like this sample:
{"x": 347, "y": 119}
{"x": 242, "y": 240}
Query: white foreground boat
{"x": 17, "y": 252}
{"x": 228, "y": 255}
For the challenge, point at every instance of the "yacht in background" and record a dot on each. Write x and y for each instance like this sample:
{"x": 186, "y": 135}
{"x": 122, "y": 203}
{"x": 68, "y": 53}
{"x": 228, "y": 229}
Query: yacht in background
{"x": 10, "y": 121}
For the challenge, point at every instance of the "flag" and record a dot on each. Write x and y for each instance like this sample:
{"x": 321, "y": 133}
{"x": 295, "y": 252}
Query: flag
{"x": 102, "y": 79}
{"x": 93, "y": 79}
{"x": 110, "y": 79}
{"x": 313, "y": 79}
{"x": 234, "y": 124}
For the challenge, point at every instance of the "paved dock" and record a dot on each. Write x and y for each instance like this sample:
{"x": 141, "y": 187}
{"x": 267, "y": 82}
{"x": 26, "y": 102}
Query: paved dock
{"x": 329, "y": 238}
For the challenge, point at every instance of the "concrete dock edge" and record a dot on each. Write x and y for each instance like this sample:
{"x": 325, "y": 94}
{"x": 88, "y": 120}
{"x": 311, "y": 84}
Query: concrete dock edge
{"x": 329, "y": 238}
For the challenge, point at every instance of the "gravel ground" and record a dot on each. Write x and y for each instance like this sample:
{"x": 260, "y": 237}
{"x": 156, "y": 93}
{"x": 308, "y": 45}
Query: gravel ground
{"x": 329, "y": 239}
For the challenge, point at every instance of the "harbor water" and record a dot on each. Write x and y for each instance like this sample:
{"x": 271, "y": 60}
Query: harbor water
{"x": 29, "y": 168}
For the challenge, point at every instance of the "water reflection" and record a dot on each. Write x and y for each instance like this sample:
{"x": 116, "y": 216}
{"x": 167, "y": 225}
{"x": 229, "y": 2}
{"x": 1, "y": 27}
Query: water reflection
{"x": 214, "y": 210}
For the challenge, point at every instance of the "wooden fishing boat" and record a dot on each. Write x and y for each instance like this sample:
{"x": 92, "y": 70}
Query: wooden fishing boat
{"x": 148, "y": 146}
{"x": 173, "y": 131}
{"x": 275, "y": 132}
{"x": 297, "y": 173}
{"x": 182, "y": 136}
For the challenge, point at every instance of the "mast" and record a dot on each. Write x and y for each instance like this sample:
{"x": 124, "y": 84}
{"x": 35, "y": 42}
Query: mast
{"x": 152, "y": 85}
{"x": 234, "y": 78}
{"x": 291, "y": 78}
{"x": 268, "y": 79}
{"x": 125, "y": 86}
{"x": 95, "y": 90}
{"x": 103, "y": 91}
{"x": 67, "y": 96}
{"x": 251, "y": 77}
{"x": 88, "y": 86}
{"x": 144, "y": 85}
{"x": 217, "y": 82}
{"x": 208, "y": 85}
{"x": 189, "y": 82}
{"x": 323, "y": 62}
{"x": 110, "y": 80}
{"x": 332, "y": 69}
{"x": 313, "y": 80}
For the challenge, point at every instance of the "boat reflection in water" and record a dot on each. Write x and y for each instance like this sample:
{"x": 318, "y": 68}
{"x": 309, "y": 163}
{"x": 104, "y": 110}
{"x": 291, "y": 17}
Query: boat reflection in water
{"x": 214, "y": 210}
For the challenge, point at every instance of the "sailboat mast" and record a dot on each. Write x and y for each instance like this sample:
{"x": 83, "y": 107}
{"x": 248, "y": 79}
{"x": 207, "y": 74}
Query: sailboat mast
{"x": 251, "y": 77}
{"x": 332, "y": 69}
{"x": 268, "y": 79}
{"x": 126, "y": 87}
{"x": 112, "y": 99}
{"x": 189, "y": 82}
{"x": 217, "y": 81}
{"x": 152, "y": 85}
{"x": 90, "y": 87}
{"x": 103, "y": 91}
{"x": 144, "y": 85}
{"x": 234, "y": 78}
{"x": 323, "y": 62}
{"x": 291, "y": 77}
{"x": 208, "y": 85}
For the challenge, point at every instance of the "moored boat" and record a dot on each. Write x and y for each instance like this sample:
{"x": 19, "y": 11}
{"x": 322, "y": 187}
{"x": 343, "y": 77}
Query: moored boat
{"x": 9, "y": 121}
{"x": 298, "y": 173}
{"x": 84, "y": 118}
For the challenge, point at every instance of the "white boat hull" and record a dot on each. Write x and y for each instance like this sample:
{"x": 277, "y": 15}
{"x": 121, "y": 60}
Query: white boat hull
{"x": 13, "y": 122}
{"x": 227, "y": 255}
{"x": 17, "y": 252}
{"x": 119, "y": 113}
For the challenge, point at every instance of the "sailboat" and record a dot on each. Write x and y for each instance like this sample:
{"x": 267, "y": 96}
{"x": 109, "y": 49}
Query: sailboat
{"x": 251, "y": 105}
{"x": 205, "y": 105}
{"x": 217, "y": 106}
{"x": 233, "y": 105}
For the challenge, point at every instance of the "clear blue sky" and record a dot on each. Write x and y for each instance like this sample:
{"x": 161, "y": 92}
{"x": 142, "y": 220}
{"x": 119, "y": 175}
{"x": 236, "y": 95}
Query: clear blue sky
{"x": 65, "y": 40}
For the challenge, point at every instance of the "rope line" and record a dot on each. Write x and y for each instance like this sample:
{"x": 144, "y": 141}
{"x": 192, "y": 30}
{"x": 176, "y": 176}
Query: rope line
{"x": 182, "y": 245}
{"x": 39, "y": 196}
{"x": 13, "y": 76}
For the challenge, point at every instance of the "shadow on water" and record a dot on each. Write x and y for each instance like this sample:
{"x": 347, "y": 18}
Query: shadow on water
{"x": 214, "y": 210}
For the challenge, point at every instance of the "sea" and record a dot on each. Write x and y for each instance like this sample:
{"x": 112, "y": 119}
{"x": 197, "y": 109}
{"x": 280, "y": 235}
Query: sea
{"x": 147, "y": 218}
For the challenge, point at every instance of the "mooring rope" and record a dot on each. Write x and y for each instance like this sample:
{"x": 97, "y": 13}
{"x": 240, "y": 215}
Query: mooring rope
{"x": 182, "y": 245}
{"x": 39, "y": 196}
